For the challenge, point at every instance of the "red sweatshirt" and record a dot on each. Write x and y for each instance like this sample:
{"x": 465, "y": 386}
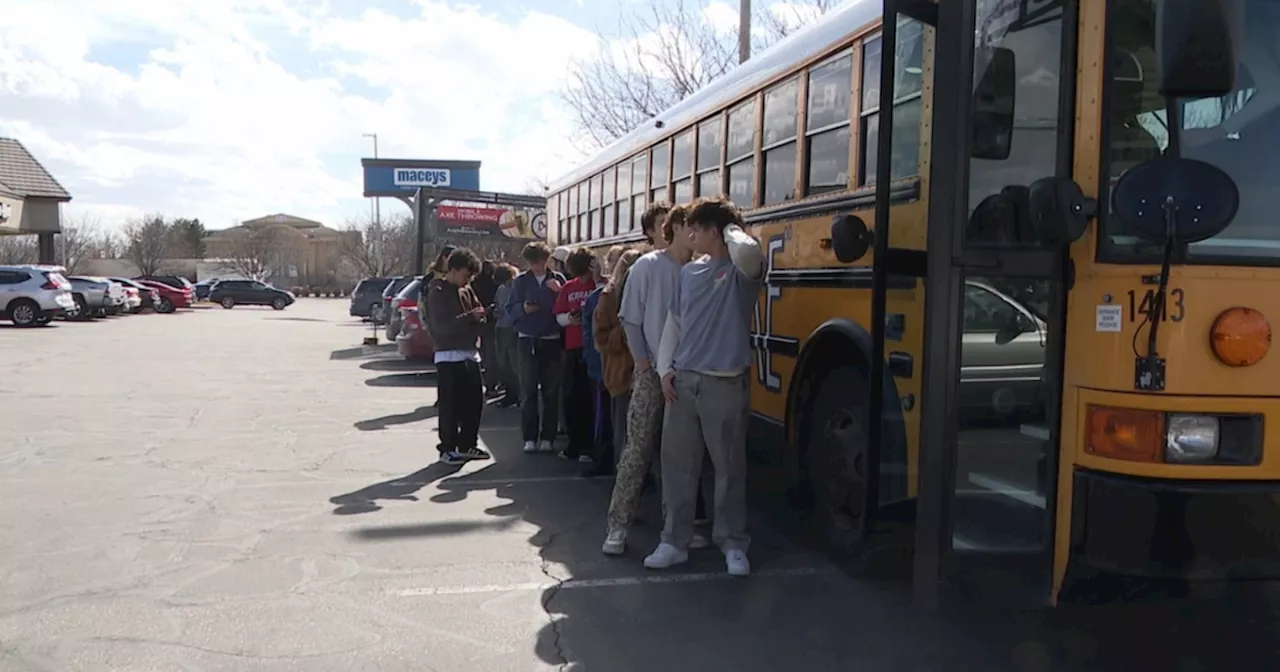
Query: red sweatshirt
{"x": 571, "y": 299}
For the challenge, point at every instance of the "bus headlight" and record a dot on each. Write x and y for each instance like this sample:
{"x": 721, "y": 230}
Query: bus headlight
{"x": 1191, "y": 438}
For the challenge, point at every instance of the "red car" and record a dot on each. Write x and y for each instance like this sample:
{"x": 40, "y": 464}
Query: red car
{"x": 413, "y": 343}
{"x": 171, "y": 298}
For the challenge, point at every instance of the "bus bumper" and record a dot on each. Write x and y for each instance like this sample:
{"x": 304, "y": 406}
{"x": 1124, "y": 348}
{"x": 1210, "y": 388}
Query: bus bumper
{"x": 1176, "y": 529}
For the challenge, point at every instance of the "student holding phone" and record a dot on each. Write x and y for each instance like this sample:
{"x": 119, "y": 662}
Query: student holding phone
{"x": 530, "y": 304}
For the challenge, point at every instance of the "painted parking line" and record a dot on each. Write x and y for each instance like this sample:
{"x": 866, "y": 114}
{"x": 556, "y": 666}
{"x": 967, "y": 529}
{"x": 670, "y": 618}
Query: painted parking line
{"x": 621, "y": 582}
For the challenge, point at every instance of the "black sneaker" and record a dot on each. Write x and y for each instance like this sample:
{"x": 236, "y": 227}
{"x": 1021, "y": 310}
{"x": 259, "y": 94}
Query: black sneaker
{"x": 453, "y": 457}
{"x": 473, "y": 454}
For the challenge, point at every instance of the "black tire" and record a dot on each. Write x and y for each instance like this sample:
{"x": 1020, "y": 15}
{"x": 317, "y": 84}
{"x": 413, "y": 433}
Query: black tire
{"x": 82, "y": 309}
{"x": 838, "y": 464}
{"x": 165, "y": 306}
{"x": 228, "y": 302}
{"x": 43, "y": 320}
{"x": 24, "y": 313}
{"x": 279, "y": 304}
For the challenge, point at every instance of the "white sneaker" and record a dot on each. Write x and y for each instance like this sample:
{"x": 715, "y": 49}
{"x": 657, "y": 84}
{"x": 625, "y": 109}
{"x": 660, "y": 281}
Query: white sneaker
{"x": 546, "y": 447}
{"x": 530, "y": 446}
{"x": 698, "y": 541}
{"x": 737, "y": 563}
{"x": 615, "y": 543}
{"x": 664, "y": 556}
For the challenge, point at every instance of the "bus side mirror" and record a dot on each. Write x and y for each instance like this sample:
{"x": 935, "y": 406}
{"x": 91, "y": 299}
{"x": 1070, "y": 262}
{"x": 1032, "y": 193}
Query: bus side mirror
{"x": 1197, "y": 46}
{"x": 993, "y": 101}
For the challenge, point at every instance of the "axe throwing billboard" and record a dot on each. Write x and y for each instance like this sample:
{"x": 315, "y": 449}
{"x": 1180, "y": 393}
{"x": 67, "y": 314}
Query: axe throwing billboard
{"x": 470, "y": 220}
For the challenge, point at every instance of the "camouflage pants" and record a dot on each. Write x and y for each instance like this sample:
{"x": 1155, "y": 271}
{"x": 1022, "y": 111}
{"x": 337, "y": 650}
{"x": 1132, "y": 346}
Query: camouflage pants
{"x": 644, "y": 432}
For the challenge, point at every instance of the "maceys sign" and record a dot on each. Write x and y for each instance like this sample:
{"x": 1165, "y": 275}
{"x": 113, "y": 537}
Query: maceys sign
{"x": 485, "y": 221}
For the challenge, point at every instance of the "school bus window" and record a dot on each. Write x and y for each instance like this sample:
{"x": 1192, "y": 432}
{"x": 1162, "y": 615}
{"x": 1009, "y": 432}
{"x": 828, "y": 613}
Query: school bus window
{"x": 593, "y": 220}
{"x": 637, "y": 208}
{"x": 624, "y": 197}
{"x": 710, "y": 139}
{"x": 682, "y": 167}
{"x": 640, "y": 174}
{"x": 570, "y": 214}
{"x": 742, "y": 176}
{"x": 710, "y": 143}
{"x": 907, "y": 103}
{"x": 607, "y": 192}
{"x": 582, "y": 198}
{"x": 661, "y": 171}
{"x": 827, "y": 125}
{"x": 741, "y": 147}
{"x": 780, "y": 142}
{"x": 594, "y": 188}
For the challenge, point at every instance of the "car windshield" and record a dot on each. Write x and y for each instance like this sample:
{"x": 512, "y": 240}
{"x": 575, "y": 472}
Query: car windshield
{"x": 1238, "y": 132}
{"x": 411, "y": 290}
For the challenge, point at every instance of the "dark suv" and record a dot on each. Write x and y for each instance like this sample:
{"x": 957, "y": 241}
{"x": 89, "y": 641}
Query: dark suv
{"x": 232, "y": 293}
{"x": 366, "y": 299}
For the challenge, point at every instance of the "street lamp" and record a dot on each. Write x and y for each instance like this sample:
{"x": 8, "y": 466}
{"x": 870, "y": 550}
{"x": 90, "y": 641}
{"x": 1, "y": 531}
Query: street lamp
{"x": 377, "y": 213}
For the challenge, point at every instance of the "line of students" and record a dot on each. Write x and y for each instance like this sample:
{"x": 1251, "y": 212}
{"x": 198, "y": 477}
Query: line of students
{"x": 665, "y": 337}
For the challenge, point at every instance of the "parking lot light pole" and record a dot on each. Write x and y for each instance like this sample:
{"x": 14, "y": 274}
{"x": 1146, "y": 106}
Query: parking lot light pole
{"x": 376, "y": 229}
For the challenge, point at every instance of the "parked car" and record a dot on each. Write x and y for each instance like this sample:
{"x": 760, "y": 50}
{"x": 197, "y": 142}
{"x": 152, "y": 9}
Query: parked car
{"x": 232, "y": 293}
{"x": 96, "y": 297}
{"x": 1002, "y": 355}
{"x": 171, "y": 298}
{"x": 389, "y": 296}
{"x": 406, "y": 298}
{"x": 413, "y": 342}
{"x": 175, "y": 281}
{"x": 32, "y": 296}
{"x": 148, "y": 298}
{"x": 366, "y": 298}
{"x": 204, "y": 287}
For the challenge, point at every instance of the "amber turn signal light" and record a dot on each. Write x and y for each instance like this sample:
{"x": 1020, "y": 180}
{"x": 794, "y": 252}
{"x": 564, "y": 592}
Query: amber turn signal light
{"x": 1240, "y": 337}
{"x": 1125, "y": 434}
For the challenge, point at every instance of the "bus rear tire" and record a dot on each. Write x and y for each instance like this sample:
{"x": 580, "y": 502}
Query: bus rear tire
{"x": 838, "y": 462}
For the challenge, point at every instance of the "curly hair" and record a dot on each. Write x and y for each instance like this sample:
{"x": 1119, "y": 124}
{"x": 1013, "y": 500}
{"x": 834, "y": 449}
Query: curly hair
{"x": 579, "y": 262}
{"x": 678, "y": 216}
{"x": 715, "y": 213}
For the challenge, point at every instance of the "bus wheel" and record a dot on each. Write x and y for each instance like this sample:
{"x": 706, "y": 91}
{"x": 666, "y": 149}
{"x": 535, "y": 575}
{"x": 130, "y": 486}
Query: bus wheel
{"x": 837, "y": 459}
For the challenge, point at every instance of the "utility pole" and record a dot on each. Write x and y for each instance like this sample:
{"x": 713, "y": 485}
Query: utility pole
{"x": 377, "y": 216}
{"x": 744, "y": 30}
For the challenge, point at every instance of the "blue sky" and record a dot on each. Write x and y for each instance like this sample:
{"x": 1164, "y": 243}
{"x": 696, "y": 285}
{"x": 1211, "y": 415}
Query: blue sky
{"x": 232, "y": 109}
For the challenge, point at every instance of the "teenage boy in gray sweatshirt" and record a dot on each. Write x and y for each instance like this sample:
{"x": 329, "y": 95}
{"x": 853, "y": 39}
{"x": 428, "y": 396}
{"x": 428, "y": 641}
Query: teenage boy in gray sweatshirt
{"x": 455, "y": 318}
{"x": 704, "y": 358}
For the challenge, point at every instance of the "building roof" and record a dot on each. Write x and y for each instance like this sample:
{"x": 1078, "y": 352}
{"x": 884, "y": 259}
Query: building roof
{"x": 23, "y": 175}
{"x": 281, "y": 218}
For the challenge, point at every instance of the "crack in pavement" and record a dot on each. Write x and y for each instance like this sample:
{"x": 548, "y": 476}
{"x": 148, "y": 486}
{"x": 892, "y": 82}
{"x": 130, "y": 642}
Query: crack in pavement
{"x": 550, "y": 594}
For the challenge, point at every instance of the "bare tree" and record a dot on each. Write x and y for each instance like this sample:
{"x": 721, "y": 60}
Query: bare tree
{"x": 359, "y": 246}
{"x": 81, "y": 238}
{"x": 19, "y": 249}
{"x": 264, "y": 253}
{"x": 661, "y": 57}
{"x": 147, "y": 243}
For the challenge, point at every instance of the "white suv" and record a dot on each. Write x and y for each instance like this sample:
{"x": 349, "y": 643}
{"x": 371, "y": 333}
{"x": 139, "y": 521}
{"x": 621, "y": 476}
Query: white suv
{"x": 31, "y": 296}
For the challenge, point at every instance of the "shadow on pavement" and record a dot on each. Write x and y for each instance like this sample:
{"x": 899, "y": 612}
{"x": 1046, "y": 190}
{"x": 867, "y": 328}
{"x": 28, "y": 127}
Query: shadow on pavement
{"x": 415, "y": 379}
{"x": 417, "y": 415}
{"x": 362, "y": 351}
{"x": 397, "y": 365}
{"x": 798, "y": 611}
{"x": 365, "y": 500}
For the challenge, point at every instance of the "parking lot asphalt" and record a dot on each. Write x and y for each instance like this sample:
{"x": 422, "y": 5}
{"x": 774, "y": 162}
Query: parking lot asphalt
{"x": 253, "y": 490}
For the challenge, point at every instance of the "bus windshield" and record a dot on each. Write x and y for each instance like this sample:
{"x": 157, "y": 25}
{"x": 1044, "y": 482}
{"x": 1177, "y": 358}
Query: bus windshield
{"x": 1238, "y": 132}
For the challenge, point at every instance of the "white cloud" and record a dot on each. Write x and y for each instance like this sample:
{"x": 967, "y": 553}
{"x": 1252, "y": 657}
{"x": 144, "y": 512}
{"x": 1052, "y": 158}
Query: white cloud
{"x": 233, "y": 109}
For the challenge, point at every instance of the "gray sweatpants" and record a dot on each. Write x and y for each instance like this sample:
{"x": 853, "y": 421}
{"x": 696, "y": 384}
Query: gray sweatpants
{"x": 709, "y": 415}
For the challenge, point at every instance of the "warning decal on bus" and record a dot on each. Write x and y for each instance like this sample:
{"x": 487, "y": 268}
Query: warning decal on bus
{"x": 1109, "y": 318}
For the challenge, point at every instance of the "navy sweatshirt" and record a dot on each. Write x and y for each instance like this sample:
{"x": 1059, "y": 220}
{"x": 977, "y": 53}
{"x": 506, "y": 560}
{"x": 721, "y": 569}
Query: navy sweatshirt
{"x": 525, "y": 287}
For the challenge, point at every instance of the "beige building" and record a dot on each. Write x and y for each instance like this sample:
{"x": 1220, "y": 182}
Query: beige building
{"x": 30, "y": 199}
{"x": 301, "y": 252}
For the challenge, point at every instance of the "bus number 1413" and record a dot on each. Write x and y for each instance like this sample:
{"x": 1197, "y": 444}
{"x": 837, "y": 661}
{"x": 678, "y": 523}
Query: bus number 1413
{"x": 1141, "y": 307}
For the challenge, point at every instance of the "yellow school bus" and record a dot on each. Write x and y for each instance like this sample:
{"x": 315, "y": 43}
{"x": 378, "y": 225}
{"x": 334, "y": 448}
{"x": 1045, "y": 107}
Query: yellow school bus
{"x": 1046, "y": 275}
